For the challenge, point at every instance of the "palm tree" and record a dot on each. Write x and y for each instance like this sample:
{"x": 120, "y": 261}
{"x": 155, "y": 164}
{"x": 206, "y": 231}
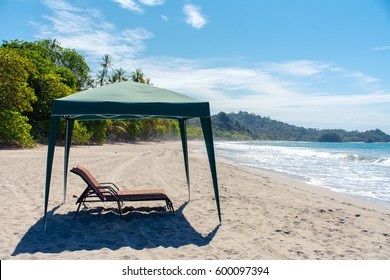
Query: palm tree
{"x": 139, "y": 77}
{"x": 100, "y": 78}
{"x": 91, "y": 83}
{"x": 105, "y": 64}
{"x": 55, "y": 47}
{"x": 119, "y": 75}
{"x": 54, "y": 50}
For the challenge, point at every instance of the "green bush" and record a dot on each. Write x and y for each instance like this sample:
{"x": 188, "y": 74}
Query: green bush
{"x": 97, "y": 129}
{"x": 194, "y": 132}
{"x": 80, "y": 134}
{"x": 14, "y": 130}
{"x": 330, "y": 137}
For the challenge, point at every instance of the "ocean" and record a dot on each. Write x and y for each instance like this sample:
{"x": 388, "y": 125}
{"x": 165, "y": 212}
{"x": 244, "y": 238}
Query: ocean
{"x": 358, "y": 169}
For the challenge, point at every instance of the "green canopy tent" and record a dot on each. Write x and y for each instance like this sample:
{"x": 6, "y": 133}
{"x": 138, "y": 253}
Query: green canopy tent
{"x": 128, "y": 100}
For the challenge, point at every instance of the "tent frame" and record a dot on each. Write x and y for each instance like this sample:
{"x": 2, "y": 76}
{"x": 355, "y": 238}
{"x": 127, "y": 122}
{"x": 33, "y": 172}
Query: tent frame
{"x": 204, "y": 115}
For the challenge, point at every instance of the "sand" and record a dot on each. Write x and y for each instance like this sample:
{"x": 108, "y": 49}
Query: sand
{"x": 264, "y": 215}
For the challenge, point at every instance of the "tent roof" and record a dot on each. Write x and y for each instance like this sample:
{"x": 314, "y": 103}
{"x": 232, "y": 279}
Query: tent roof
{"x": 129, "y": 99}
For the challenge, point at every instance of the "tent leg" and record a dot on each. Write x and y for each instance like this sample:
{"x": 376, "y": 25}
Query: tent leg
{"x": 68, "y": 140}
{"x": 183, "y": 134}
{"x": 208, "y": 137}
{"x": 54, "y": 123}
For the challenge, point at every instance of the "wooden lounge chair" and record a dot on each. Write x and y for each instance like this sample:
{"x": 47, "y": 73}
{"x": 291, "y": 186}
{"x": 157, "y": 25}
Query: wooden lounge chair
{"x": 104, "y": 192}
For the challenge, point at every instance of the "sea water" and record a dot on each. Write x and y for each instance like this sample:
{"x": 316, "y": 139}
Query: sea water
{"x": 359, "y": 169}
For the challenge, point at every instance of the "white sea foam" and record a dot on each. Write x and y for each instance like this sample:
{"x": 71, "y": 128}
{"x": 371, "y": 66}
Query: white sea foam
{"x": 355, "y": 168}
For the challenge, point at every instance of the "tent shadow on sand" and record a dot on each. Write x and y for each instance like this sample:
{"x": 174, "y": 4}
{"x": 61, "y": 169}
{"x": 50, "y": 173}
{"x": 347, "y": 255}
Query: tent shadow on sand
{"x": 137, "y": 230}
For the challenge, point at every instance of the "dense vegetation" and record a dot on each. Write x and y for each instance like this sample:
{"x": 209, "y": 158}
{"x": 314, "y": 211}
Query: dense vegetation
{"x": 264, "y": 128}
{"x": 32, "y": 74}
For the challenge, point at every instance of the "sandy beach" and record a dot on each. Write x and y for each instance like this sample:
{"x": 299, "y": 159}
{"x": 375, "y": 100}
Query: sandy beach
{"x": 264, "y": 215}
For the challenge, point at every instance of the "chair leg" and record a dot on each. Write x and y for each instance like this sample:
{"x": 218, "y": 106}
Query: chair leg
{"x": 120, "y": 208}
{"x": 173, "y": 209}
{"x": 170, "y": 206}
{"x": 78, "y": 208}
{"x": 81, "y": 199}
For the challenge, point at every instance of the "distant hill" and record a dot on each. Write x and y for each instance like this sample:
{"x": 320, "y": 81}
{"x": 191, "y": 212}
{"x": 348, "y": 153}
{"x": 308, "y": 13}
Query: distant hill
{"x": 248, "y": 126}
{"x": 226, "y": 128}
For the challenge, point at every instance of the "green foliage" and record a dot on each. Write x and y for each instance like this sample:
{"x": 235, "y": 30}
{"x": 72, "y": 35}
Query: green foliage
{"x": 148, "y": 129}
{"x": 194, "y": 132}
{"x": 80, "y": 134}
{"x": 16, "y": 97}
{"x": 48, "y": 71}
{"x": 69, "y": 64}
{"x": 34, "y": 73}
{"x": 142, "y": 129}
{"x": 14, "y": 130}
{"x": 376, "y": 136}
{"x": 106, "y": 64}
{"x": 174, "y": 130}
{"x": 48, "y": 54}
{"x": 139, "y": 77}
{"x": 263, "y": 128}
{"x": 226, "y": 128}
{"x": 168, "y": 129}
{"x": 119, "y": 76}
{"x": 123, "y": 130}
{"x": 15, "y": 93}
{"x": 246, "y": 126}
{"x": 76, "y": 64}
{"x": 329, "y": 137}
{"x": 97, "y": 130}
{"x": 48, "y": 87}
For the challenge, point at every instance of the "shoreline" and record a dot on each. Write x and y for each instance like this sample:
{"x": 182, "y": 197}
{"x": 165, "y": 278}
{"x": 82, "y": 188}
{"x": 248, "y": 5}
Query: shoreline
{"x": 302, "y": 177}
{"x": 368, "y": 201}
{"x": 360, "y": 200}
{"x": 264, "y": 215}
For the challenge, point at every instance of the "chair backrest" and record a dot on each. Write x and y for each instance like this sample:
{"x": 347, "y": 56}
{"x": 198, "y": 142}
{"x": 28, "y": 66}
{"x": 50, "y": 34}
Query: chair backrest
{"x": 89, "y": 179}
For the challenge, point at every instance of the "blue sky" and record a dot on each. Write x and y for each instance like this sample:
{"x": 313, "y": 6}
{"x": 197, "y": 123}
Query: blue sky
{"x": 312, "y": 63}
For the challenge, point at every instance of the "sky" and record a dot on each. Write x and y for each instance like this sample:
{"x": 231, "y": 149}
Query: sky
{"x": 311, "y": 63}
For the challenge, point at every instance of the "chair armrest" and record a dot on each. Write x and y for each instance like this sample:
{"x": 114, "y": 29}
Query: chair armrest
{"x": 109, "y": 183}
{"x": 108, "y": 189}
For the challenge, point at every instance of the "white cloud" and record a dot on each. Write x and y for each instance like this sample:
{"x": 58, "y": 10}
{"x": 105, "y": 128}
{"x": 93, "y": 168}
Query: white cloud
{"x": 363, "y": 78}
{"x": 299, "y": 67}
{"x": 135, "y": 36}
{"x": 60, "y": 5}
{"x": 87, "y": 31}
{"x": 165, "y": 18}
{"x": 152, "y": 2}
{"x": 130, "y": 5}
{"x": 194, "y": 16}
{"x": 136, "y": 6}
